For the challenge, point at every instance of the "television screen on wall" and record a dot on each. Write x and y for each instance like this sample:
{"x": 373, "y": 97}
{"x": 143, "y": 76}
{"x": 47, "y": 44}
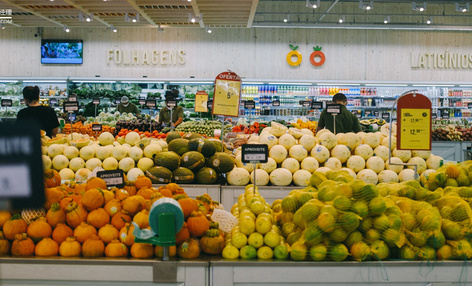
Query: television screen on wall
{"x": 62, "y": 52}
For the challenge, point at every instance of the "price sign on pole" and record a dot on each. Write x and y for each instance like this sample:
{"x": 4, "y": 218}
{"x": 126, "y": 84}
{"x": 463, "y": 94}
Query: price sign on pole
{"x": 142, "y": 101}
{"x": 171, "y": 103}
{"x": 210, "y": 104}
{"x": 151, "y": 103}
{"x": 317, "y": 105}
{"x": 385, "y": 115}
{"x": 201, "y": 99}
{"x": 276, "y": 103}
{"x": 7, "y": 102}
{"x": 469, "y": 105}
{"x": 249, "y": 104}
{"x": 117, "y": 100}
{"x": 445, "y": 114}
{"x": 414, "y": 122}
{"x": 306, "y": 103}
{"x": 113, "y": 178}
{"x": 333, "y": 109}
{"x": 53, "y": 101}
{"x": 72, "y": 97}
{"x": 96, "y": 127}
{"x": 376, "y": 113}
{"x": 96, "y": 101}
{"x": 227, "y": 94}
{"x": 71, "y": 106}
{"x": 254, "y": 153}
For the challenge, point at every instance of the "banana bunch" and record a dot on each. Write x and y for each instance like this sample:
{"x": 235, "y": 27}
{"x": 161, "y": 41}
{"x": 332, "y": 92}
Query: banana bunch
{"x": 379, "y": 122}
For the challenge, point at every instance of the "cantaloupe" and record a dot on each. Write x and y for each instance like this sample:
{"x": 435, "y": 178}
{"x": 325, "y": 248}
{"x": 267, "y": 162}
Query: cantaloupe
{"x": 355, "y": 163}
{"x": 394, "y": 167}
{"x": 375, "y": 163}
{"x": 280, "y": 177}
{"x": 341, "y": 152}
{"x": 310, "y": 164}
{"x": 320, "y": 153}
{"x": 278, "y": 153}
{"x": 364, "y": 150}
{"x": 291, "y": 164}
{"x": 298, "y": 152}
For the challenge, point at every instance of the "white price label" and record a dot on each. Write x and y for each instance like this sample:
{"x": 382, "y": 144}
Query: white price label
{"x": 15, "y": 181}
{"x": 113, "y": 181}
{"x": 254, "y": 157}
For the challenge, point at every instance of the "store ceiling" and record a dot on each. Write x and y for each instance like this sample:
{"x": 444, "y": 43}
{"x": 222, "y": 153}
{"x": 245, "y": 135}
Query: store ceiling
{"x": 239, "y": 13}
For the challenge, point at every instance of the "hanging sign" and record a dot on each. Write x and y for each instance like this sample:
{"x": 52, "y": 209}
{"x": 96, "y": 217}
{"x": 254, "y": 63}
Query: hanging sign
{"x": 21, "y": 167}
{"x": 7, "y": 102}
{"x": 72, "y": 97}
{"x": 414, "y": 122}
{"x": 22, "y": 101}
{"x": 96, "y": 101}
{"x": 117, "y": 100}
{"x": 445, "y": 114}
{"x": 254, "y": 153}
{"x": 469, "y": 105}
{"x": 171, "y": 103}
{"x": 151, "y": 103}
{"x": 249, "y": 104}
{"x": 305, "y": 103}
{"x": 71, "y": 106}
{"x": 333, "y": 109}
{"x": 53, "y": 101}
{"x": 210, "y": 104}
{"x": 434, "y": 115}
{"x": 317, "y": 105}
{"x": 376, "y": 113}
{"x": 142, "y": 101}
{"x": 201, "y": 99}
{"x": 227, "y": 94}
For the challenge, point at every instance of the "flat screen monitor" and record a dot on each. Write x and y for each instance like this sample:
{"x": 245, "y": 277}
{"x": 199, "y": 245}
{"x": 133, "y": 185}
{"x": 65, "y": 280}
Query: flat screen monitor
{"x": 62, "y": 51}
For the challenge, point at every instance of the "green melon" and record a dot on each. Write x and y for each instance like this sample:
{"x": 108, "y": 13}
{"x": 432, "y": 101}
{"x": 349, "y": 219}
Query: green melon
{"x": 172, "y": 135}
{"x": 192, "y": 160}
{"x": 183, "y": 176}
{"x": 179, "y": 146}
{"x": 218, "y": 145}
{"x": 221, "y": 162}
{"x": 190, "y": 136}
{"x": 159, "y": 175}
{"x": 206, "y": 176}
{"x": 170, "y": 160}
{"x": 204, "y": 146}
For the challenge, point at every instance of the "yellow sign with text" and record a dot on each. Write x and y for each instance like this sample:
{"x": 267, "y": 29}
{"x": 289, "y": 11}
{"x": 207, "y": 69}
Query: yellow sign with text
{"x": 201, "y": 99}
{"x": 415, "y": 130}
{"x": 227, "y": 94}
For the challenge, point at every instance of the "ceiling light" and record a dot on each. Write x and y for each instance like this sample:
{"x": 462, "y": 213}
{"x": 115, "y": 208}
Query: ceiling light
{"x": 113, "y": 28}
{"x": 429, "y": 21}
{"x": 387, "y": 20}
{"x": 418, "y": 8}
{"x": 193, "y": 19}
{"x": 342, "y": 19}
{"x": 287, "y": 18}
{"x": 86, "y": 18}
{"x": 66, "y": 29}
{"x": 366, "y": 7}
{"x": 159, "y": 29}
{"x": 462, "y": 8}
{"x": 208, "y": 29}
{"x": 313, "y": 3}
{"x": 3, "y": 26}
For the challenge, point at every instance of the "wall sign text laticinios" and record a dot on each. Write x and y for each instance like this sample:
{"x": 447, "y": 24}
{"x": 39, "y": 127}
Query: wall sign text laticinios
{"x": 146, "y": 57}
{"x": 446, "y": 60}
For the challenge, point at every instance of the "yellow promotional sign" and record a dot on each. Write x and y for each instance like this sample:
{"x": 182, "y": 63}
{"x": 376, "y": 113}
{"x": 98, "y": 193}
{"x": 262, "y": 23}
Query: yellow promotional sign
{"x": 201, "y": 99}
{"x": 227, "y": 94}
{"x": 415, "y": 130}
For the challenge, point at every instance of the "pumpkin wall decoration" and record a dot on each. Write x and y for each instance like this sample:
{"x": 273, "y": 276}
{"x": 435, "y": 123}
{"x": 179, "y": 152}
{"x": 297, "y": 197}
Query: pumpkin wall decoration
{"x": 197, "y": 224}
{"x": 22, "y": 245}
{"x": 93, "y": 247}
{"x": 46, "y": 247}
{"x": 61, "y": 233}
{"x": 39, "y": 229}
{"x": 70, "y": 248}
{"x": 116, "y": 249}
{"x": 55, "y": 215}
{"x": 13, "y": 226}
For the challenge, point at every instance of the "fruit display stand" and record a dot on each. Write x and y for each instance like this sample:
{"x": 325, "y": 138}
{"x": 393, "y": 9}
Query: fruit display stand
{"x": 230, "y": 194}
{"x": 57, "y": 271}
{"x": 197, "y": 190}
{"x": 228, "y": 273}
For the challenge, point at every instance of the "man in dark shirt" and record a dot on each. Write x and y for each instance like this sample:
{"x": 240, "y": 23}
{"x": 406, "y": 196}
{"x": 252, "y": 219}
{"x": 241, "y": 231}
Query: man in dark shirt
{"x": 345, "y": 121}
{"x": 45, "y": 116}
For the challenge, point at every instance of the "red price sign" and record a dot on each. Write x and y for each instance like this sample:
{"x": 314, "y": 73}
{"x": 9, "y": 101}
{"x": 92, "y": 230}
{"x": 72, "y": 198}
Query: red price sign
{"x": 414, "y": 122}
{"x": 227, "y": 94}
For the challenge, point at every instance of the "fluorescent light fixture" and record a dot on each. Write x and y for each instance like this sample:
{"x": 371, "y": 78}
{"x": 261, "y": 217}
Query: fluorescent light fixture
{"x": 66, "y": 29}
{"x": 208, "y": 30}
{"x": 193, "y": 19}
{"x": 429, "y": 85}
{"x": 249, "y": 82}
{"x": 290, "y": 83}
{"x": 95, "y": 81}
{"x": 462, "y": 8}
{"x": 429, "y": 21}
{"x": 190, "y": 82}
{"x": 48, "y": 81}
{"x": 143, "y": 81}
{"x": 387, "y": 20}
{"x": 465, "y": 85}
{"x": 366, "y": 7}
{"x": 342, "y": 19}
{"x": 384, "y": 84}
{"x": 339, "y": 84}
{"x": 287, "y": 18}
{"x": 418, "y": 8}
{"x": 8, "y": 81}
{"x": 313, "y": 4}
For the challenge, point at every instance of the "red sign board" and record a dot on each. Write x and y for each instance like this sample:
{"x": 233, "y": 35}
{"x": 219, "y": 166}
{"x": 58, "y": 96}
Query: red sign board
{"x": 414, "y": 122}
{"x": 227, "y": 94}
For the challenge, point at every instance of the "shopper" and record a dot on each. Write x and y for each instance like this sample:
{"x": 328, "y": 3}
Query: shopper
{"x": 45, "y": 116}
{"x": 345, "y": 121}
{"x": 177, "y": 114}
{"x": 126, "y": 106}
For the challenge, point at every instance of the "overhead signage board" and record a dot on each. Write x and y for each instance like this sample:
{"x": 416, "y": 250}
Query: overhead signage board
{"x": 414, "y": 122}
{"x": 201, "y": 99}
{"x": 254, "y": 153}
{"x": 21, "y": 166}
{"x": 96, "y": 127}
{"x": 306, "y": 103}
{"x": 227, "y": 94}
{"x": 72, "y": 97}
{"x": 142, "y": 101}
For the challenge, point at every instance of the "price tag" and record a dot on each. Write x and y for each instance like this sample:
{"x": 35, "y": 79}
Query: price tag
{"x": 276, "y": 103}
{"x": 434, "y": 115}
{"x": 254, "y": 153}
{"x": 142, "y": 101}
{"x": 385, "y": 115}
{"x": 72, "y": 97}
{"x": 7, "y": 102}
{"x": 72, "y": 117}
{"x": 201, "y": 99}
{"x": 469, "y": 105}
{"x": 249, "y": 104}
{"x": 71, "y": 106}
{"x": 317, "y": 105}
{"x": 333, "y": 109}
{"x": 53, "y": 101}
{"x": 445, "y": 114}
{"x": 150, "y": 103}
{"x": 22, "y": 101}
{"x": 358, "y": 115}
{"x": 171, "y": 103}
{"x": 117, "y": 100}
{"x": 96, "y": 101}
{"x": 113, "y": 178}
{"x": 96, "y": 127}
{"x": 376, "y": 113}
{"x": 21, "y": 180}
{"x": 306, "y": 103}
{"x": 227, "y": 94}
{"x": 210, "y": 104}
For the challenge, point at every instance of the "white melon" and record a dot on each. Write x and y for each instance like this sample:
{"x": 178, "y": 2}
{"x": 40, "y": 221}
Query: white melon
{"x": 308, "y": 141}
{"x": 385, "y": 142}
{"x": 119, "y": 152}
{"x": 425, "y": 176}
{"x": 328, "y": 140}
{"x": 324, "y": 170}
{"x": 419, "y": 162}
{"x": 132, "y": 137}
{"x": 92, "y": 163}
{"x": 47, "y": 163}
{"x": 60, "y": 162}
{"x": 67, "y": 174}
{"x": 103, "y": 152}
{"x": 371, "y": 139}
{"x": 278, "y": 153}
{"x": 287, "y": 141}
{"x": 268, "y": 139}
{"x": 144, "y": 163}
{"x": 434, "y": 162}
{"x": 81, "y": 175}
{"x": 262, "y": 177}
{"x": 76, "y": 164}
{"x": 106, "y": 138}
{"x": 351, "y": 140}
{"x": 71, "y": 152}
{"x": 320, "y": 153}
{"x": 388, "y": 176}
{"x": 394, "y": 167}
{"x": 269, "y": 166}
{"x": 111, "y": 163}
{"x": 280, "y": 177}
{"x": 404, "y": 155}
{"x": 291, "y": 164}
{"x": 368, "y": 176}
{"x": 240, "y": 164}
{"x": 407, "y": 175}
{"x": 333, "y": 163}
{"x": 87, "y": 152}
{"x": 421, "y": 153}
{"x": 301, "y": 178}
{"x": 238, "y": 177}
{"x": 134, "y": 173}
{"x": 376, "y": 164}
{"x": 135, "y": 153}
{"x": 355, "y": 163}
{"x": 342, "y": 152}
{"x": 126, "y": 164}
{"x": 310, "y": 164}
{"x": 351, "y": 172}
{"x": 382, "y": 152}
{"x": 55, "y": 149}
{"x": 298, "y": 152}
{"x": 364, "y": 150}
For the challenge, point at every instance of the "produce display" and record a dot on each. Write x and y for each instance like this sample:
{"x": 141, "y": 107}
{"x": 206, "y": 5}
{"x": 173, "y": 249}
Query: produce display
{"x": 203, "y": 127}
{"x": 86, "y": 129}
{"x": 294, "y": 154}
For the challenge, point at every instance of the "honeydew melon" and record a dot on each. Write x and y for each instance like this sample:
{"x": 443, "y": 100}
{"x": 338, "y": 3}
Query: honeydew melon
{"x": 280, "y": 177}
{"x": 320, "y": 153}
